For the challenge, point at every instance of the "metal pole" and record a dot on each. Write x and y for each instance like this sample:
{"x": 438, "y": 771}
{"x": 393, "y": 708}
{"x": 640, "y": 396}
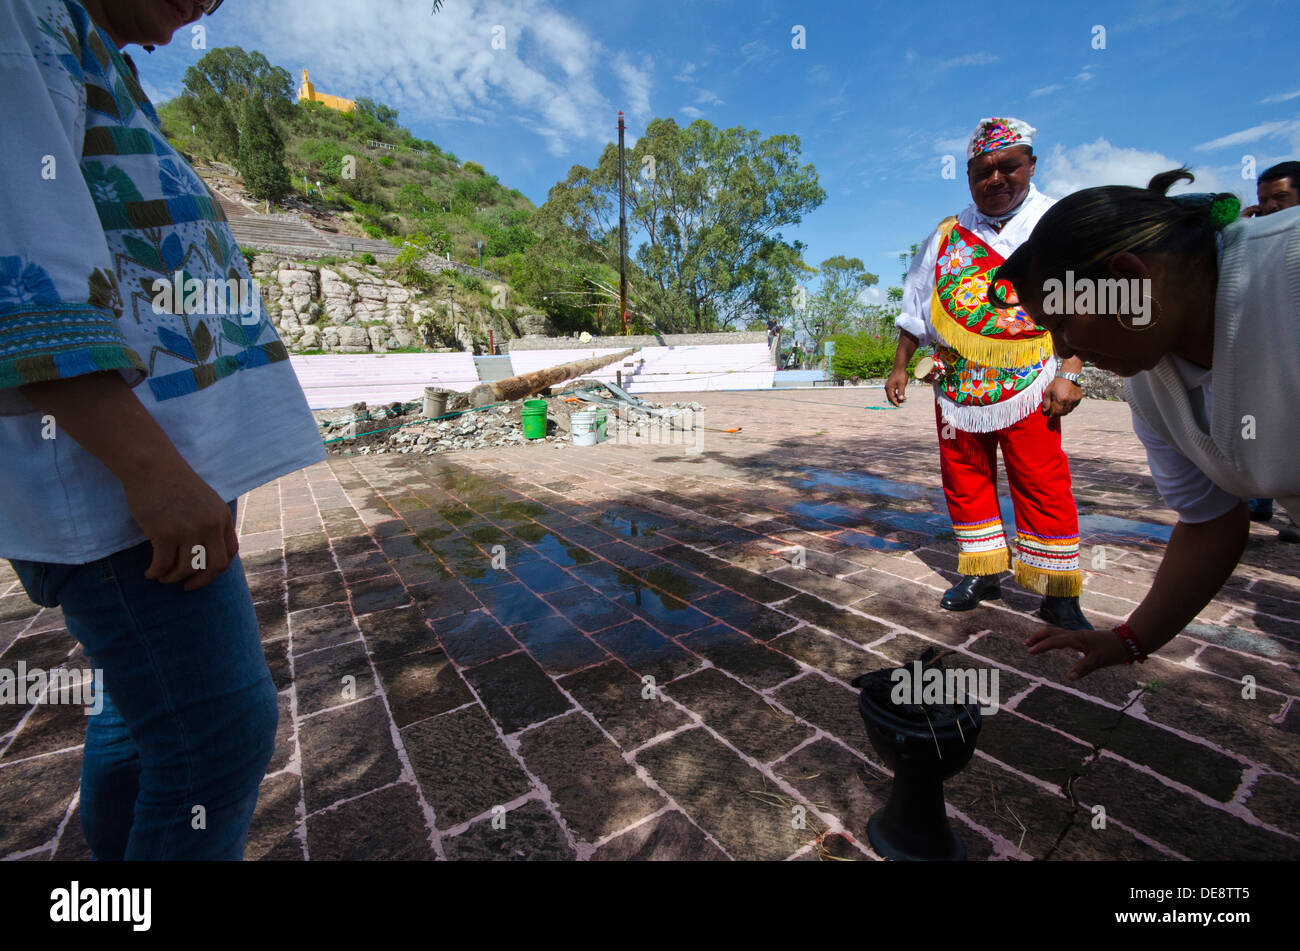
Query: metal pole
{"x": 622, "y": 231}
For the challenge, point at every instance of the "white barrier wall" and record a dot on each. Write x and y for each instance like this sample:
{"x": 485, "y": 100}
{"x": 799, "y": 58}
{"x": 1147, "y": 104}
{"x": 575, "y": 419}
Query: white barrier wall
{"x": 735, "y": 366}
{"x": 334, "y": 380}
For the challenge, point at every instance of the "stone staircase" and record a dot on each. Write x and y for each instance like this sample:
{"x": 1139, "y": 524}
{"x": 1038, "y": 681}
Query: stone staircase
{"x": 291, "y": 235}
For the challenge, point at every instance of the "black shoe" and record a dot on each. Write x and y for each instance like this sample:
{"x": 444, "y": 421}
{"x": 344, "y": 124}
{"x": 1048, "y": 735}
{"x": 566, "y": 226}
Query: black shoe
{"x": 1289, "y": 533}
{"x": 1064, "y": 613}
{"x": 1261, "y": 510}
{"x": 970, "y": 591}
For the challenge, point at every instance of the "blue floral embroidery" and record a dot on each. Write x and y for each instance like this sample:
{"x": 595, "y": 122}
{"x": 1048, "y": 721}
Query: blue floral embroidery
{"x": 23, "y": 285}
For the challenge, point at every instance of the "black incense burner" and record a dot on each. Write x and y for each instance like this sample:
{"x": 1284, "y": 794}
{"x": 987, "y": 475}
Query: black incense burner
{"x": 924, "y": 744}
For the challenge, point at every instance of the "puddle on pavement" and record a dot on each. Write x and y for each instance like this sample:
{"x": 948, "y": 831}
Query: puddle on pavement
{"x": 521, "y": 510}
{"x": 559, "y": 551}
{"x": 457, "y": 514}
{"x": 924, "y": 523}
{"x": 530, "y": 532}
{"x": 1123, "y": 528}
{"x": 672, "y": 581}
{"x": 813, "y": 477}
{"x": 630, "y": 524}
{"x": 657, "y": 606}
{"x": 833, "y": 512}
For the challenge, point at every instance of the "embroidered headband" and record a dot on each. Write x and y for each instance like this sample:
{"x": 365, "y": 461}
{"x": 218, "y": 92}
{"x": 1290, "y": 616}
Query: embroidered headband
{"x": 999, "y": 133}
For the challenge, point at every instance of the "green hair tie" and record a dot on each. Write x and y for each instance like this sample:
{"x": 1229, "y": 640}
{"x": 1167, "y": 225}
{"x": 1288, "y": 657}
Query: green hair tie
{"x": 1225, "y": 207}
{"x": 1224, "y": 210}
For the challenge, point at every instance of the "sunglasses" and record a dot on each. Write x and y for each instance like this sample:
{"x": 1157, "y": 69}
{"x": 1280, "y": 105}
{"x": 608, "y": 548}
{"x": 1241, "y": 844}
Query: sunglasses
{"x": 210, "y": 6}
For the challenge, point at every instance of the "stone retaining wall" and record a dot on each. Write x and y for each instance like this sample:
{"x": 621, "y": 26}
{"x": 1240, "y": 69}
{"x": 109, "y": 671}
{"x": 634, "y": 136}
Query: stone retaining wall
{"x": 639, "y": 340}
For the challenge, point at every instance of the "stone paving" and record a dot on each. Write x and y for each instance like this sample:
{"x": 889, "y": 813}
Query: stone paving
{"x": 504, "y": 708}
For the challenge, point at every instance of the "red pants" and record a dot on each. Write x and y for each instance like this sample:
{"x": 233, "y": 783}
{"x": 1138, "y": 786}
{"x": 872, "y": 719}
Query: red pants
{"x": 1047, "y": 523}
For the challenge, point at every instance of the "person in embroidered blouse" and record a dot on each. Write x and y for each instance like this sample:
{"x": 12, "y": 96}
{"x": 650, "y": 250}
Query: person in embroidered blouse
{"x": 130, "y": 429}
{"x": 1208, "y": 336}
{"x": 996, "y": 384}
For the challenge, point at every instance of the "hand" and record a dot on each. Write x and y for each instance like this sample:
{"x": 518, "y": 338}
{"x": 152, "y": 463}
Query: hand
{"x": 177, "y": 511}
{"x": 1250, "y": 212}
{"x": 1099, "y": 648}
{"x": 896, "y": 387}
{"x": 1060, "y": 397}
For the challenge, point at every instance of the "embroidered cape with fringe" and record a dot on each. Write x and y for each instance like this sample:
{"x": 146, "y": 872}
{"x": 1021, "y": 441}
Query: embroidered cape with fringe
{"x": 994, "y": 363}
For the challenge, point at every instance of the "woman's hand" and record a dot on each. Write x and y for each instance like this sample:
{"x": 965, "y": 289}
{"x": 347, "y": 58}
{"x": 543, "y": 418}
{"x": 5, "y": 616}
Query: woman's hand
{"x": 174, "y": 507}
{"x": 1099, "y": 648}
{"x": 188, "y": 524}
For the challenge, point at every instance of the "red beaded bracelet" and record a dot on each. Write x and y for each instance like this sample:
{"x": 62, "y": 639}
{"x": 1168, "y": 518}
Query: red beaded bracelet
{"x": 1130, "y": 640}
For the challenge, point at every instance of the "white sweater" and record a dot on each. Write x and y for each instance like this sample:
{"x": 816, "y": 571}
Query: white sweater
{"x": 1252, "y": 446}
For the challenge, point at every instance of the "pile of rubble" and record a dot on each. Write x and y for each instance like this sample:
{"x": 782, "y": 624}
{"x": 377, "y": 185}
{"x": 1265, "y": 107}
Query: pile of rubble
{"x": 403, "y": 428}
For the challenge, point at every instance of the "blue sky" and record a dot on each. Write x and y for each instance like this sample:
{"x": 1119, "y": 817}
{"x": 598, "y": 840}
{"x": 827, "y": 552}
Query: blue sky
{"x": 881, "y": 93}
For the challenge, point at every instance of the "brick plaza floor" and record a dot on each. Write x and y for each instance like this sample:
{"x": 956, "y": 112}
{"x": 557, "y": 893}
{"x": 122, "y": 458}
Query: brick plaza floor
{"x": 502, "y": 712}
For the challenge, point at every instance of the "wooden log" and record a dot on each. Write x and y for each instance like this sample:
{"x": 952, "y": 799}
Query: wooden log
{"x": 528, "y": 384}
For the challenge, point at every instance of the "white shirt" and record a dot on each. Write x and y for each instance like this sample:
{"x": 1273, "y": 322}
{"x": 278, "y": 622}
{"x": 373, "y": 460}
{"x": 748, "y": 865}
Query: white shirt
{"x": 1186, "y": 489}
{"x": 1212, "y": 445}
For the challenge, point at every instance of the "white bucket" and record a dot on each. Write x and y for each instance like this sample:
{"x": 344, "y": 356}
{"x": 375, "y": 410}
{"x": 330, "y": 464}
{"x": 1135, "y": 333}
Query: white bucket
{"x": 583, "y": 426}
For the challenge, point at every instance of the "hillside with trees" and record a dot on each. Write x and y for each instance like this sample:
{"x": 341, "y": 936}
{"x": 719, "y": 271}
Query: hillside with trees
{"x": 705, "y": 208}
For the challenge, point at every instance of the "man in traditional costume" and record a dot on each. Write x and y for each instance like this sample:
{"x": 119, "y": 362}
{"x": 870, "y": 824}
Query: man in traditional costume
{"x": 997, "y": 383}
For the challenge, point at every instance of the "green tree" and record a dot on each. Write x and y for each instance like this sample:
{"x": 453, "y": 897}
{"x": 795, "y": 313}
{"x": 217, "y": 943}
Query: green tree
{"x": 215, "y": 89}
{"x": 705, "y": 206}
{"x": 380, "y": 113}
{"x": 837, "y": 306}
{"x": 261, "y": 153}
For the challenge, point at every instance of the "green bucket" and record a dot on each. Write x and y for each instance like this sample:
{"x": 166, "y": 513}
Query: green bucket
{"x": 534, "y": 418}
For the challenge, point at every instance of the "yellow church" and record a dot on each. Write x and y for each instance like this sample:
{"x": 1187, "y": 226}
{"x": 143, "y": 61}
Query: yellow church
{"x": 307, "y": 91}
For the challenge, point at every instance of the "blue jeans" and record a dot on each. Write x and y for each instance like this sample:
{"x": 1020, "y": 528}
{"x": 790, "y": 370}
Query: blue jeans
{"x": 173, "y": 761}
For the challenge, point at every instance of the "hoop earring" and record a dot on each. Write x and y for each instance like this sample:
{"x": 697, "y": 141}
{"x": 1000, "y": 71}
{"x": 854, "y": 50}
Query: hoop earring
{"x": 1153, "y": 311}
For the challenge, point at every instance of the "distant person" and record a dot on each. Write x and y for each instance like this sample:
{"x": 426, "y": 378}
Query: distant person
{"x": 1277, "y": 189}
{"x": 130, "y": 430}
{"x": 1207, "y": 330}
{"x": 773, "y": 331}
{"x": 996, "y": 383}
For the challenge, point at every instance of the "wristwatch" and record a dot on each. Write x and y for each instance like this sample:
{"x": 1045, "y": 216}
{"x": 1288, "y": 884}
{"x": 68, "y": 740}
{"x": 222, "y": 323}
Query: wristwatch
{"x": 1072, "y": 377}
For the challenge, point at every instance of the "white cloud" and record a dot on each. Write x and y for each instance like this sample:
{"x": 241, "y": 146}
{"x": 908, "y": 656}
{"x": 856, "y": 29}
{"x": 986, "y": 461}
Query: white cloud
{"x": 971, "y": 59}
{"x": 754, "y": 50}
{"x": 874, "y": 295}
{"x": 1063, "y": 170}
{"x": 707, "y": 97}
{"x": 691, "y": 111}
{"x": 159, "y": 95}
{"x": 911, "y": 56}
{"x": 1280, "y": 97}
{"x": 687, "y": 75}
{"x": 1284, "y": 129}
{"x": 636, "y": 84}
{"x": 443, "y": 68}
{"x": 1045, "y": 90}
{"x": 954, "y": 146}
